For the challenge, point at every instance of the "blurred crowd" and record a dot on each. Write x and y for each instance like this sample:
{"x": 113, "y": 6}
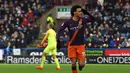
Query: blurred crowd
{"x": 19, "y": 20}
{"x": 111, "y": 28}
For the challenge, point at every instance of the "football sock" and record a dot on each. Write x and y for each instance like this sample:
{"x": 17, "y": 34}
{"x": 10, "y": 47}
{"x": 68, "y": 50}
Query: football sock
{"x": 57, "y": 62}
{"x": 42, "y": 63}
{"x": 74, "y": 70}
{"x": 81, "y": 67}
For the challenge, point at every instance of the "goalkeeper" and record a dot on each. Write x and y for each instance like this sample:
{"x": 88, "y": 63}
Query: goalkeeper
{"x": 51, "y": 47}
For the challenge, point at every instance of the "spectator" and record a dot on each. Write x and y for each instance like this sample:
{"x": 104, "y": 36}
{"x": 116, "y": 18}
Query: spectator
{"x": 23, "y": 41}
{"x": 1, "y": 42}
{"x": 36, "y": 12}
{"x": 65, "y": 39}
{"x": 112, "y": 43}
{"x": 39, "y": 7}
{"x": 128, "y": 43}
{"x": 30, "y": 16}
{"x": 44, "y": 8}
{"x": 8, "y": 51}
{"x": 25, "y": 22}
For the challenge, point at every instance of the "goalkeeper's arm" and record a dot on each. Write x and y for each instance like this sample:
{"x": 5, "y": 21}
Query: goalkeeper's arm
{"x": 44, "y": 39}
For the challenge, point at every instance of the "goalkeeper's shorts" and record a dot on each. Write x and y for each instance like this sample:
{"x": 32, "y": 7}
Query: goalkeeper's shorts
{"x": 50, "y": 48}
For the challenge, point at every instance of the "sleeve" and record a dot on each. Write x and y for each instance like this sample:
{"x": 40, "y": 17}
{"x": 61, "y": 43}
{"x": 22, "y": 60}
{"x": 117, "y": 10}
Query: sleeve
{"x": 46, "y": 36}
{"x": 90, "y": 18}
{"x": 61, "y": 28}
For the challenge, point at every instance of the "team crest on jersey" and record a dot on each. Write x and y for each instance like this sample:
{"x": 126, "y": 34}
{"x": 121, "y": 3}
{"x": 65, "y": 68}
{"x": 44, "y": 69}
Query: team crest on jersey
{"x": 80, "y": 22}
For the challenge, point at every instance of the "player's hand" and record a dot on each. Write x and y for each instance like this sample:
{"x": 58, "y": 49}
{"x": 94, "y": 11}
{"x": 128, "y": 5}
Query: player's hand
{"x": 44, "y": 45}
{"x": 91, "y": 17}
{"x": 39, "y": 46}
{"x": 58, "y": 44}
{"x": 85, "y": 12}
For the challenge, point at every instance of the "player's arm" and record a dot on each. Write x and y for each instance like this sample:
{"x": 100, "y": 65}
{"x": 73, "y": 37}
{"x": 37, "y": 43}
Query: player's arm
{"x": 61, "y": 28}
{"x": 44, "y": 39}
{"x": 91, "y": 17}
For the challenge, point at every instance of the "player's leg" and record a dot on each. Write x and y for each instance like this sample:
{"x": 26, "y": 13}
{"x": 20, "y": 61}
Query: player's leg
{"x": 73, "y": 58}
{"x": 56, "y": 61}
{"x": 73, "y": 67}
{"x": 81, "y": 56}
{"x": 42, "y": 62}
{"x": 43, "y": 59}
{"x": 81, "y": 64}
{"x": 46, "y": 51}
{"x": 55, "y": 58}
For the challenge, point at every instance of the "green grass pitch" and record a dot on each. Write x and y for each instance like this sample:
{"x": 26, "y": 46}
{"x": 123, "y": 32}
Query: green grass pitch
{"x": 66, "y": 68}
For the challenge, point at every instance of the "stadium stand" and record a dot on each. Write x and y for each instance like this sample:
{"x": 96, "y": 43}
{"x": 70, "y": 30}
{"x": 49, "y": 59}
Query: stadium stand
{"x": 18, "y": 20}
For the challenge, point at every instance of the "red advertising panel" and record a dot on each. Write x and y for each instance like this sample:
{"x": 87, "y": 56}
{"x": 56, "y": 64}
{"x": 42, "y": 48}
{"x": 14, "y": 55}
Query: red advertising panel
{"x": 118, "y": 52}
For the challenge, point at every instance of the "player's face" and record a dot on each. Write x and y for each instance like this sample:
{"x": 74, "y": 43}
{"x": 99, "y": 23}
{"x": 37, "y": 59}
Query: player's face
{"x": 78, "y": 12}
